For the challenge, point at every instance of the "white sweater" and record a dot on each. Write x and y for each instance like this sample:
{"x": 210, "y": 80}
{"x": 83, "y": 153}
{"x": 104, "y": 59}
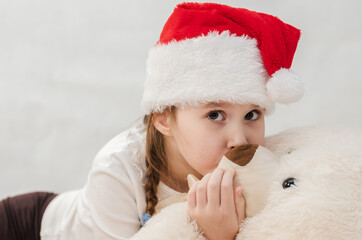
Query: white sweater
{"x": 112, "y": 202}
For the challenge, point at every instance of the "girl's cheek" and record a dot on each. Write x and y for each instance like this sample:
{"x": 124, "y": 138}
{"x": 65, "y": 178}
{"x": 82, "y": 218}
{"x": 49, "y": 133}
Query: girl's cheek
{"x": 206, "y": 160}
{"x": 260, "y": 138}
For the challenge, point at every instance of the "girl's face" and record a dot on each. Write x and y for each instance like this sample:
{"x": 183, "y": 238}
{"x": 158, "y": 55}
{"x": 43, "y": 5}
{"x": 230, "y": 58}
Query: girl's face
{"x": 198, "y": 137}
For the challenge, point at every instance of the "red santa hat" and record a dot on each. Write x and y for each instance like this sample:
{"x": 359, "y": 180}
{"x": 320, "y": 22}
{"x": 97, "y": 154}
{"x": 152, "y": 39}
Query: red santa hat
{"x": 212, "y": 53}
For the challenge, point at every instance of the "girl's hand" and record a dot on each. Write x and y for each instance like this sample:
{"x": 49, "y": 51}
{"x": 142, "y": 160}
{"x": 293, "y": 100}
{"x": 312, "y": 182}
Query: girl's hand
{"x": 216, "y": 207}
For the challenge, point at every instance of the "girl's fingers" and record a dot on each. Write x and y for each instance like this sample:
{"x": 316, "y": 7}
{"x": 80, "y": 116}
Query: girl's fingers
{"x": 213, "y": 188}
{"x": 239, "y": 204}
{"x": 191, "y": 196}
{"x": 227, "y": 193}
{"x": 201, "y": 191}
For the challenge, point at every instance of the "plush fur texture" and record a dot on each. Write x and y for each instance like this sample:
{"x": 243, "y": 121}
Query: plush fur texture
{"x": 324, "y": 203}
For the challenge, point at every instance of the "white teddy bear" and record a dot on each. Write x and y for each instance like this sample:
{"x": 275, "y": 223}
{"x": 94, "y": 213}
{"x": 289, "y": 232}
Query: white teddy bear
{"x": 307, "y": 185}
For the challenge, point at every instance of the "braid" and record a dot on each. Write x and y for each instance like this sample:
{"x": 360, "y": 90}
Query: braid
{"x": 155, "y": 162}
{"x": 151, "y": 189}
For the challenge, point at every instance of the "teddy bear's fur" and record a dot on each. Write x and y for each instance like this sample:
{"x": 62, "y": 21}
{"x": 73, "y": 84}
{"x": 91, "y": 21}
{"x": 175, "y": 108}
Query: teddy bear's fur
{"x": 325, "y": 201}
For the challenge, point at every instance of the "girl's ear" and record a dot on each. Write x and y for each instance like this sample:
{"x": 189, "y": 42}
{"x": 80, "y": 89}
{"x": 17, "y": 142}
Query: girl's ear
{"x": 162, "y": 122}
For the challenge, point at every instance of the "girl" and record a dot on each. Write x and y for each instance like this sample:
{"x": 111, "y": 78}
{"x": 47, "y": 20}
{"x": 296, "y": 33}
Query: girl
{"x": 212, "y": 76}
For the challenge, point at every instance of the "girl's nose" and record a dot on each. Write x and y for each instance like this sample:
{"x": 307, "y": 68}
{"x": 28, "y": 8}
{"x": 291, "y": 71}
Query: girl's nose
{"x": 236, "y": 137}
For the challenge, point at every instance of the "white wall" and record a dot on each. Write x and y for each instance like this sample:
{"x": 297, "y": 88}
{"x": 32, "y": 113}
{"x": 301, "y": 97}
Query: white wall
{"x": 72, "y": 72}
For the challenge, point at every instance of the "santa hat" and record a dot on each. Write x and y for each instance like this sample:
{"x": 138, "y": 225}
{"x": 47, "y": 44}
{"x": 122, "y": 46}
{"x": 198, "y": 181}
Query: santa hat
{"x": 212, "y": 53}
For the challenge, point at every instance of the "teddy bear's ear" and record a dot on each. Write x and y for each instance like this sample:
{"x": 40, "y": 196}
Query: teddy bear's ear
{"x": 191, "y": 180}
{"x": 243, "y": 154}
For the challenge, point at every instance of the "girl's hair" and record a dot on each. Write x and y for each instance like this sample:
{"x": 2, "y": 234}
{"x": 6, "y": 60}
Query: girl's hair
{"x": 156, "y": 161}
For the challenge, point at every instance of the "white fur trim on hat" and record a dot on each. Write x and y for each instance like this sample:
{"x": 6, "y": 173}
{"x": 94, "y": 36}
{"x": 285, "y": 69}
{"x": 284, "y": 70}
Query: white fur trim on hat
{"x": 212, "y": 68}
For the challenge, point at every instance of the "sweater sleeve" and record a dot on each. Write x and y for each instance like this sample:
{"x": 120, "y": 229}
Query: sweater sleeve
{"x": 112, "y": 206}
{"x": 116, "y": 196}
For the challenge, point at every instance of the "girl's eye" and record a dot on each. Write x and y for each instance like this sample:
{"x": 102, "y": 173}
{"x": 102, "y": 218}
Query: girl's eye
{"x": 252, "y": 115}
{"x": 215, "y": 116}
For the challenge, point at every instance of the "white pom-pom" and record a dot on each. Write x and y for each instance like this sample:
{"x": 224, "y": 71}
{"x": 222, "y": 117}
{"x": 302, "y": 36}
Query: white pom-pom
{"x": 284, "y": 86}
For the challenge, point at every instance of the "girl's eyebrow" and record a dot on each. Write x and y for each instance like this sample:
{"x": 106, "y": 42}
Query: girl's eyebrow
{"x": 256, "y": 106}
{"x": 213, "y": 104}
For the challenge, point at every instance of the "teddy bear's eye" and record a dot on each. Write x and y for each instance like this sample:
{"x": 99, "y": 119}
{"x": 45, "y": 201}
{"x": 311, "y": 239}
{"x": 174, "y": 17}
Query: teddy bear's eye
{"x": 288, "y": 182}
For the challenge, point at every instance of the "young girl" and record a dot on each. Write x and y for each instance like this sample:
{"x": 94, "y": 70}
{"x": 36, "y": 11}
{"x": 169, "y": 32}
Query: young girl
{"x": 212, "y": 76}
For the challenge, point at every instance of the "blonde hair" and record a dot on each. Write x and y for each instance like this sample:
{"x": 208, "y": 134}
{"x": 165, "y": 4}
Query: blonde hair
{"x": 156, "y": 161}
